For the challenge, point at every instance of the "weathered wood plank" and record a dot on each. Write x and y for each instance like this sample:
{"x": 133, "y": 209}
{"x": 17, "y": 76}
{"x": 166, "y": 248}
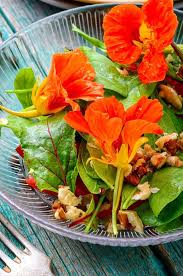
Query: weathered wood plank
{"x": 21, "y": 13}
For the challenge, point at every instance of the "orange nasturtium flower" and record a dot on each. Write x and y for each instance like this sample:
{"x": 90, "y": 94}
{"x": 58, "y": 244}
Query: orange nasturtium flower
{"x": 71, "y": 77}
{"x": 130, "y": 32}
{"x": 118, "y": 133}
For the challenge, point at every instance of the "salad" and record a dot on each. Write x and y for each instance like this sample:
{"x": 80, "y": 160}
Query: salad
{"x": 103, "y": 132}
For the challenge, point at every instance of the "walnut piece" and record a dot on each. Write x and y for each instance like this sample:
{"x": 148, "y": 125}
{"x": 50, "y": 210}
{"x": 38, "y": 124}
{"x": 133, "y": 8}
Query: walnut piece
{"x": 145, "y": 191}
{"x": 66, "y": 197}
{"x": 139, "y": 163}
{"x": 159, "y": 159}
{"x": 174, "y": 161}
{"x": 170, "y": 96}
{"x": 166, "y": 138}
{"x": 134, "y": 220}
{"x": 110, "y": 229}
{"x": 149, "y": 151}
{"x": 60, "y": 214}
{"x": 73, "y": 213}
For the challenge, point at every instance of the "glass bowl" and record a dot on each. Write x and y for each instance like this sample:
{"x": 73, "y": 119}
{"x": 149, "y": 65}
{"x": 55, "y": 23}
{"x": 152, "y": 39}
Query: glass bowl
{"x": 33, "y": 47}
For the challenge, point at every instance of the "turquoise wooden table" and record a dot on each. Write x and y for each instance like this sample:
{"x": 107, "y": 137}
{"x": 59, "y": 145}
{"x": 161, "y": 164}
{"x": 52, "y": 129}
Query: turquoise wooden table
{"x": 73, "y": 257}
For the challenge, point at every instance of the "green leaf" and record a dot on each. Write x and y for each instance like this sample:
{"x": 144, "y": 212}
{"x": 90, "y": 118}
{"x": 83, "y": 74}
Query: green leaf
{"x": 108, "y": 75}
{"x": 92, "y": 184}
{"x": 170, "y": 122}
{"x": 170, "y": 183}
{"x": 84, "y": 157}
{"x": 173, "y": 225}
{"x": 127, "y": 194}
{"x": 135, "y": 93}
{"x": 104, "y": 171}
{"x": 49, "y": 150}
{"x": 146, "y": 214}
{"x": 25, "y": 79}
{"x": 91, "y": 206}
{"x": 94, "y": 41}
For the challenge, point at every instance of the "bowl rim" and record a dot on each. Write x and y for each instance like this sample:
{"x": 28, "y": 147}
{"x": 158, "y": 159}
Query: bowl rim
{"x": 65, "y": 231}
{"x": 67, "y": 12}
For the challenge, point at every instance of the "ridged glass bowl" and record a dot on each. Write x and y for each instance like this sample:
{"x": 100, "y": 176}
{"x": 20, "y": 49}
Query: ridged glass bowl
{"x": 33, "y": 47}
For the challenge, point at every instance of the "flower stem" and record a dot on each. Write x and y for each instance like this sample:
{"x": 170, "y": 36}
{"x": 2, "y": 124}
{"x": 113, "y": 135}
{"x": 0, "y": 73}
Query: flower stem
{"x": 87, "y": 229}
{"x": 116, "y": 197}
{"x": 19, "y": 91}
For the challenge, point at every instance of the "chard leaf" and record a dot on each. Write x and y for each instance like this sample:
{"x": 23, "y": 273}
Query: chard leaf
{"x": 166, "y": 204}
{"x": 108, "y": 74}
{"x": 23, "y": 84}
{"x": 49, "y": 150}
{"x": 94, "y": 41}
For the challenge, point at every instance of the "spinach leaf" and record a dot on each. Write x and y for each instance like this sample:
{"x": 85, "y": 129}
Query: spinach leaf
{"x": 169, "y": 223}
{"x": 105, "y": 171}
{"x": 84, "y": 157}
{"x": 146, "y": 214}
{"x": 108, "y": 74}
{"x": 93, "y": 185}
{"x": 170, "y": 122}
{"x": 173, "y": 225}
{"x": 136, "y": 92}
{"x": 170, "y": 183}
{"x": 49, "y": 150}
{"x": 94, "y": 41}
{"x": 23, "y": 84}
{"x": 127, "y": 194}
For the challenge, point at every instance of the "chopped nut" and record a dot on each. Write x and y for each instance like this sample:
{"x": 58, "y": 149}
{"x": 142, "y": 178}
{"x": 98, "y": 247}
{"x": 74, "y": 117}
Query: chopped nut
{"x": 149, "y": 151}
{"x": 159, "y": 159}
{"x": 174, "y": 161}
{"x": 66, "y": 197}
{"x": 145, "y": 191}
{"x": 123, "y": 219}
{"x": 166, "y": 138}
{"x": 133, "y": 179}
{"x": 73, "y": 213}
{"x": 110, "y": 229}
{"x": 171, "y": 146}
{"x": 139, "y": 163}
{"x": 60, "y": 214}
{"x": 134, "y": 220}
{"x": 170, "y": 96}
{"x": 56, "y": 205}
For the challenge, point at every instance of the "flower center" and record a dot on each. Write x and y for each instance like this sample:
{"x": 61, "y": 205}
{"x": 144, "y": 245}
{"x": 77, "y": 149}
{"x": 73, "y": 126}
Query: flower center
{"x": 146, "y": 34}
